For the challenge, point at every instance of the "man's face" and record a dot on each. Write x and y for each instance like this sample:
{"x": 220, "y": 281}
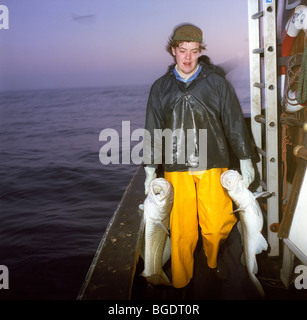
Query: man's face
{"x": 186, "y": 56}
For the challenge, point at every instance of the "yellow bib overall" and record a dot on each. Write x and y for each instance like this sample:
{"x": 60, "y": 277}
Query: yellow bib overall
{"x": 199, "y": 198}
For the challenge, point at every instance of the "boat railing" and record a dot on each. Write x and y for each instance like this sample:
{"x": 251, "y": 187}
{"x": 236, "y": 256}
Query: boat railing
{"x": 111, "y": 274}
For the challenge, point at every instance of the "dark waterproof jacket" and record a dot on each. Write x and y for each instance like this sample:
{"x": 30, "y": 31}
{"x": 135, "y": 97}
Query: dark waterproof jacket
{"x": 208, "y": 102}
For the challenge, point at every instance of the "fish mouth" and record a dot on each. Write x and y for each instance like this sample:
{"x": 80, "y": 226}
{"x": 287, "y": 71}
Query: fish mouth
{"x": 161, "y": 188}
{"x": 229, "y": 179}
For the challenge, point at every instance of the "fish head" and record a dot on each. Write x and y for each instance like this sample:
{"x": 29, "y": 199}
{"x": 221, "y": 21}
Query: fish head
{"x": 230, "y": 180}
{"x": 162, "y": 193}
{"x": 233, "y": 182}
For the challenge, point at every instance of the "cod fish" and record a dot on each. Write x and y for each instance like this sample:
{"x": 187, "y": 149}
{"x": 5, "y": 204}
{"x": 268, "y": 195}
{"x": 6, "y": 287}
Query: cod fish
{"x": 156, "y": 243}
{"x": 250, "y": 224}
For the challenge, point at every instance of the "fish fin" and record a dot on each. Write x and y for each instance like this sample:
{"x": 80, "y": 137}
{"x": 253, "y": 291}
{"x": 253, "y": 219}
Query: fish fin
{"x": 142, "y": 249}
{"x": 162, "y": 226}
{"x": 167, "y": 251}
{"x": 239, "y": 227}
{"x": 262, "y": 194}
{"x": 255, "y": 266}
{"x": 165, "y": 277}
{"x": 237, "y": 210}
{"x": 261, "y": 244}
{"x": 141, "y": 206}
{"x": 257, "y": 285}
{"x": 158, "y": 279}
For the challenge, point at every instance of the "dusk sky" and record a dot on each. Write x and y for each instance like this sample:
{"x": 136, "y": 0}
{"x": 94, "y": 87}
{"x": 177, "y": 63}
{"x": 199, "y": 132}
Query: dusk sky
{"x": 118, "y": 42}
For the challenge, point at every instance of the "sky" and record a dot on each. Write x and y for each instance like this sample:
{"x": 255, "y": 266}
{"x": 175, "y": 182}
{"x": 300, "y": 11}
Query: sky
{"x": 82, "y": 43}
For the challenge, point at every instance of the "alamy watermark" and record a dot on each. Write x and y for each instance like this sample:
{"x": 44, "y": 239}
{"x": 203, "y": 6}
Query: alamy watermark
{"x": 181, "y": 147}
{"x": 4, "y": 17}
{"x": 300, "y": 281}
{"x": 4, "y": 277}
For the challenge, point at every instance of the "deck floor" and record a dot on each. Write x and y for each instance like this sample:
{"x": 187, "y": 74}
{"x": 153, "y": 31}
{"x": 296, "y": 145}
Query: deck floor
{"x": 206, "y": 285}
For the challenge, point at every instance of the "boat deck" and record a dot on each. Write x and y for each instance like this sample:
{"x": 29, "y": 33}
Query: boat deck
{"x": 206, "y": 285}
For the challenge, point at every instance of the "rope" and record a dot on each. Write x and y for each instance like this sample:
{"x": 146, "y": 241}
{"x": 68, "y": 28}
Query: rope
{"x": 284, "y": 142}
{"x": 293, "y": 74}
{"x": 287, "y": 139}
{"x": 302, "y": 84}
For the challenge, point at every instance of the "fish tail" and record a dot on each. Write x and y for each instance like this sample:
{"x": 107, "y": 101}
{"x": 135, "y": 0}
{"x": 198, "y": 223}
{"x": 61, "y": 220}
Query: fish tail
{"x": 257, "y": 285}
{"x": 157, "y": 279}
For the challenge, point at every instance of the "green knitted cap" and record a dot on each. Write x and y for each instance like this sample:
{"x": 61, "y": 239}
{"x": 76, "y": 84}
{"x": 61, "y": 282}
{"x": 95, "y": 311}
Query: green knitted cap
{"x": 188, "y": 33}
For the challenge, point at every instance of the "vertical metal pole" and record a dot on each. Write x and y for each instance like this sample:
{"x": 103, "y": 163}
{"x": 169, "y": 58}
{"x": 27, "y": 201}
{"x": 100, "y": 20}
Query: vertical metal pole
{"x": 255, "y": 76}
{"x": 271, "y": 107}
{"x": 286, "y": 271}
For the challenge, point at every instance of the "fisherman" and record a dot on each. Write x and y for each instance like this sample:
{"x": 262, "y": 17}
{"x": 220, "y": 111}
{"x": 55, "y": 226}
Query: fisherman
{"x": 193, "y": 95}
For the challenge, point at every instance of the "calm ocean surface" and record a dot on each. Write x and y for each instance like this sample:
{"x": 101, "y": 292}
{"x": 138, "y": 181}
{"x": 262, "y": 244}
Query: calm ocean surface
{"x": 56, "y": 197}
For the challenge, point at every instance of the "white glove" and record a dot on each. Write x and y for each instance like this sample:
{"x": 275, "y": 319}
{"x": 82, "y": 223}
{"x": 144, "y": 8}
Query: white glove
{"x": 150, "y": 175}
{"x": 248, "y": 171}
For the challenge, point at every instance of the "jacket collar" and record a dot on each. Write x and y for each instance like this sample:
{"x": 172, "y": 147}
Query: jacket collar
{"x": 180, "y": 77}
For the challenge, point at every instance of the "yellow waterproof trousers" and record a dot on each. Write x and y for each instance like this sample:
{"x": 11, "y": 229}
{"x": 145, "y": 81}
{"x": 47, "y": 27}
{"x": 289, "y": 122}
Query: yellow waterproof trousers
{"x": 200, "y": 193}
